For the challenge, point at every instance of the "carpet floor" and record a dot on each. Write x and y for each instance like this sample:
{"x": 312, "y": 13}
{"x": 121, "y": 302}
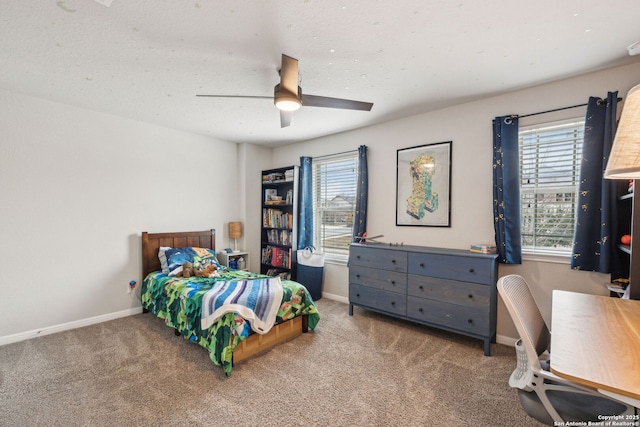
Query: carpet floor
{"x": 361, "y": 370}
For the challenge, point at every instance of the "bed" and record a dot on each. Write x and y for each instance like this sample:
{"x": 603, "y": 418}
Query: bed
{"x": 179, "y": 302}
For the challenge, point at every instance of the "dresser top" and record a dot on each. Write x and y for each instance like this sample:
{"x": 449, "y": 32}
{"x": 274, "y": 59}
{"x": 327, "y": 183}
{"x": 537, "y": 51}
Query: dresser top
{"x": 424, "y": 249}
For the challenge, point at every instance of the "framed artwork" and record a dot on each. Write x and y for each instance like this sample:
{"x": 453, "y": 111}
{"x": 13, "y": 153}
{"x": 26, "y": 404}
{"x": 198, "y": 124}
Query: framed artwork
{"x": 423, "y": 185}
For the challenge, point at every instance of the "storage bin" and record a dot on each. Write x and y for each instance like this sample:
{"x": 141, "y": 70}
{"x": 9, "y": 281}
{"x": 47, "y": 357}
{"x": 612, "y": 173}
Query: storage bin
{"x": 310, "y": 271}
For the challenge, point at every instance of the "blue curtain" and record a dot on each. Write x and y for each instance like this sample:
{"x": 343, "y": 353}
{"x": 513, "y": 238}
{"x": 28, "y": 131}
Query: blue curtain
{"x": 596, "y": 204}
{"x": 506, "y": 190}
{"x": 362, "y": 195}
{"x": 305, "y": 225}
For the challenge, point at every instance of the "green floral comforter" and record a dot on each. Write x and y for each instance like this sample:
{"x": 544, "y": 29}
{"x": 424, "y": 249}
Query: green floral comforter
{"x": 179, "y": 302}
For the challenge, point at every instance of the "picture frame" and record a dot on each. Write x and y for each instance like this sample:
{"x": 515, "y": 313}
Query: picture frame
{"x": 423, "y": 185}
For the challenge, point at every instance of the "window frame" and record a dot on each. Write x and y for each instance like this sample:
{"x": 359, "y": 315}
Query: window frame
{"x": 320, "y": 193}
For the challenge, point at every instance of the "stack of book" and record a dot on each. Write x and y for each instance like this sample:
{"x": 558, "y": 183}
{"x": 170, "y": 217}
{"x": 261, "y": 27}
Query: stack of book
{"x": 279, "y": 237}
{"x": 274, "y": 218}
{"x": 483, "y": 249}
{"x": 276, "y": 257}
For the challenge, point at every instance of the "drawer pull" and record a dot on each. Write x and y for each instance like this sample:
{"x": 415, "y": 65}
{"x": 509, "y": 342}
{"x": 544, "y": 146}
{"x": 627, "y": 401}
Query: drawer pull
{"x": 393, "y": 282}
{"x": 358, "y": 256}
{"x": 393, "y": 261}
{"x": 470, "y": 296}
{"x": 471, "y": 270}
{"x": 422, "y": 264}
{"x": 358, "y": 276}
{"x": 469, "y": 320}
{"x": 393, "y": 303}
{"x": 421, "y": 287}
{"x": 358, "y": 295}
{"x": 420, "y": 309}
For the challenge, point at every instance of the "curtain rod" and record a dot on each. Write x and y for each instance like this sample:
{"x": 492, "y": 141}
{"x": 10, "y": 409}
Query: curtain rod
{"x": 559, "y": 109}
{"x": 552, "y": 111}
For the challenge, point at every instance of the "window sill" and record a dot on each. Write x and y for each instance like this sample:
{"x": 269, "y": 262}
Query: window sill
{"x": 548, "y": 258}
{"x": 336, "y": 261}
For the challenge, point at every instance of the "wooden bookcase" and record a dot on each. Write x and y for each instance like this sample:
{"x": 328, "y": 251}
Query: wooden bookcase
{"x": 278, "y": 240}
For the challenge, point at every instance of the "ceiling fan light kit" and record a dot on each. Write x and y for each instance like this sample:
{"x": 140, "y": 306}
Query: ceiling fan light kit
{"x": 285, "y": 100}
{"x": 288, "y": 96}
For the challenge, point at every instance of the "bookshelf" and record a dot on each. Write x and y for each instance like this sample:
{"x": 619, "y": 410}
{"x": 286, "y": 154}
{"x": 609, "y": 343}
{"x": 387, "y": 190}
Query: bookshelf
{"x": 278, "y": 239}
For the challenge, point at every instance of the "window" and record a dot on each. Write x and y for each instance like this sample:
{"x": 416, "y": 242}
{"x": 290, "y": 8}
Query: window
{"x": 549, "y": 176}
{"x": 334, "y": 200}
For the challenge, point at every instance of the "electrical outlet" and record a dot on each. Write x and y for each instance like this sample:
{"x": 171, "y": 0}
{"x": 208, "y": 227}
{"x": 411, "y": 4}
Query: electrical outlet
{"x": 131, "y": 286}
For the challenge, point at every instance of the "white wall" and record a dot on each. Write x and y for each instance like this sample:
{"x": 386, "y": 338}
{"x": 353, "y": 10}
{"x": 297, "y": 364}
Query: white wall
{"x": 469, "y": 127}
{"x": 256, "y": 159}
{"x": 77, "y": 189}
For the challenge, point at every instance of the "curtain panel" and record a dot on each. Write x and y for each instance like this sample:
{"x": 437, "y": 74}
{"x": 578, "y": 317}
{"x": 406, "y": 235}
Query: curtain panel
{"x": 362, "y": 196}
{"x": 305, "y": 226}
{"x": 596, "y": 208}
{"x": 506, "y": 190}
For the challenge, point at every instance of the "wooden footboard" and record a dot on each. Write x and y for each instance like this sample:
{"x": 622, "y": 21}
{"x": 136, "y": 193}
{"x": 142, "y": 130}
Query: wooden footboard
{"x": 280, "y": 333}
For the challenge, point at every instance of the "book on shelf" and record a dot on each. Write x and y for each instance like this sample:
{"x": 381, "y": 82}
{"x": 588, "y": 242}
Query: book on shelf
{"x": 270, "y": 194}
{"x": 274, "y": 177}
{"x": 274, "y": 272}
{"x": 279, "y": 237}
{"x": 276, "y": 256}
{"x": 483, "y": 249}
{"x": 275, "y": 218}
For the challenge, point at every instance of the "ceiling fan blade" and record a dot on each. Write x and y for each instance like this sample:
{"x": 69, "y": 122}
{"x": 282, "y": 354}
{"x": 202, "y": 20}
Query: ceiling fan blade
{"x": 285, "y": 118}
{"x": 289, "y": 75}
{"x": 326, "y": 102}
{"x": 236, "y": 96}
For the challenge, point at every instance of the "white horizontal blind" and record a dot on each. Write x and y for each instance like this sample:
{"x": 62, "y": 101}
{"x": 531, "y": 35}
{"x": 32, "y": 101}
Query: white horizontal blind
{"x": 550, "y": 158}
{"x": 334, "y": 198}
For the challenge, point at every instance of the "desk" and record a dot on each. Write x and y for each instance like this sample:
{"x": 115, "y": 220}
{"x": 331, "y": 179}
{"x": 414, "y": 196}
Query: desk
{"x": 595, "y": 341}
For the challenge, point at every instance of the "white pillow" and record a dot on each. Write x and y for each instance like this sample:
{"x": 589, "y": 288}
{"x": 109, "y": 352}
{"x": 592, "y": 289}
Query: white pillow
{"x": 163, "y": 258}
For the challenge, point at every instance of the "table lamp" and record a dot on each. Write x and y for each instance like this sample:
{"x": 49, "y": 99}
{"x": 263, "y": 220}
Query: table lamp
{"x": 235, "y": 232}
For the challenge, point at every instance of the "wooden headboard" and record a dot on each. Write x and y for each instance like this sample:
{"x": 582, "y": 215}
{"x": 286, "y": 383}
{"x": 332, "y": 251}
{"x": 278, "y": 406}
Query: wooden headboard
{"x": 151, "y": 242}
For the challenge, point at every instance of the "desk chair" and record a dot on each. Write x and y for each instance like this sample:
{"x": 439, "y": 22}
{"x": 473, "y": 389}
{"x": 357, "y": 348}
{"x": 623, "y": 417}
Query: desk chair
{"x": 544, "y": 395}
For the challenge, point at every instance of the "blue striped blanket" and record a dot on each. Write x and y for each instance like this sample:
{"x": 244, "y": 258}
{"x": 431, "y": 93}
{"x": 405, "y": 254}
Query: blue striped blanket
{"x": 256, "y": 300}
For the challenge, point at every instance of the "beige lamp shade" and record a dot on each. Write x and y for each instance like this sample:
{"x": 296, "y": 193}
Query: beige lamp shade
{"x": 624, "y": 160}
{"x": 235, "y": 230}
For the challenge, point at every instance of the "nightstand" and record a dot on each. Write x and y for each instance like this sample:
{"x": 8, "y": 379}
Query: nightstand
{"x": 225, "y": 258}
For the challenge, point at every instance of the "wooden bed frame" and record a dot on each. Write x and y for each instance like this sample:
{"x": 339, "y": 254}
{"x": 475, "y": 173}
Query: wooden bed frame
{"x": 255, "y": 343}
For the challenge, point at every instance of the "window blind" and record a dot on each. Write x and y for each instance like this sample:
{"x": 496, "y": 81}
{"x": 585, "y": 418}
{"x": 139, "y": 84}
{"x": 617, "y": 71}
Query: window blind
{"x": 550, "y": 158}
{"x": 334, "y": 194}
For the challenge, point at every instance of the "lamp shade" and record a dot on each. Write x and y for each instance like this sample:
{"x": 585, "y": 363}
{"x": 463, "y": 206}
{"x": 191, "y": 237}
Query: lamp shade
{"x": 235, "y": 230}
{"x": 624, "y": 160}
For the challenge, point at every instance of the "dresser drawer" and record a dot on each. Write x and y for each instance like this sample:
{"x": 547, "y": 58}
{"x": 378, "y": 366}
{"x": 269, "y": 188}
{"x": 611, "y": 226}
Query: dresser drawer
{"x": 468, "y": 319}
{"x": 378, "y": 299}
{"x": 466, "y": 269}
{"x": 381, "y": 279}
{"x": 383, "y": 259}
{"x": 450, "y": 291}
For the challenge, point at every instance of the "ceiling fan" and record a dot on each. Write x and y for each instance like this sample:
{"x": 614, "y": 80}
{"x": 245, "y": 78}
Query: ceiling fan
{"x": 288, "y": 96}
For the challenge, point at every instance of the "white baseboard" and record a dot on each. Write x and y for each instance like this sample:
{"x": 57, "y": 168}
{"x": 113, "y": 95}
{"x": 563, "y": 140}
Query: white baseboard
{"x": 508, "y": 341}
{"x": 335, "y": 297}
{"x": 22, "y": 336}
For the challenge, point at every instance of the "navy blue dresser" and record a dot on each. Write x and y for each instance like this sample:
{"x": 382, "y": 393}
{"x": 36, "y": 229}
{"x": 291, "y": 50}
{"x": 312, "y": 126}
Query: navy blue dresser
{"x": 449, "y": 289}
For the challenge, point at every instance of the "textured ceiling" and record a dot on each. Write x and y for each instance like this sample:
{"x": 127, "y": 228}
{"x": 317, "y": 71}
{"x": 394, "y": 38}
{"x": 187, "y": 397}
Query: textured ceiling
{"x": 146, "y": 60}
